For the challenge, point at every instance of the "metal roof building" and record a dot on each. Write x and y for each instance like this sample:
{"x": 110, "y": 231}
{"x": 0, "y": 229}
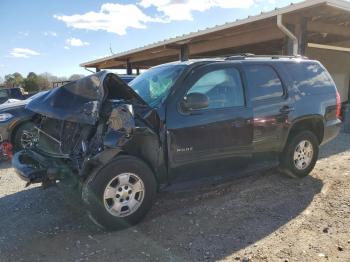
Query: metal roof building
{"x": 319, "y": 29}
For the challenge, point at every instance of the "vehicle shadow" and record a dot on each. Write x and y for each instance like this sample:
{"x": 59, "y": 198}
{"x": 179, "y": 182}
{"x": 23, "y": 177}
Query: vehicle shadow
{"x": 204, "y": 220}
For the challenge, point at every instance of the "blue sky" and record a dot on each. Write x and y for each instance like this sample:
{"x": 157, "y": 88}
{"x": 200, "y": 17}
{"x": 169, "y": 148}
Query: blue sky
{"x": 56, "y": 36}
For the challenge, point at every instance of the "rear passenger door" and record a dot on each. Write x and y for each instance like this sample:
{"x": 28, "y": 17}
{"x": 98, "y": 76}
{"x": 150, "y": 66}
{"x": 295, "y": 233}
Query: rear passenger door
{"x": 271, "y": 105}
{"x": 221, "y": 130}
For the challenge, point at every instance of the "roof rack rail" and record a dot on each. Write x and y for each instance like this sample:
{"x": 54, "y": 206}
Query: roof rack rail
{"x": 239, "y": 56}
{"x": 249, "y": 55}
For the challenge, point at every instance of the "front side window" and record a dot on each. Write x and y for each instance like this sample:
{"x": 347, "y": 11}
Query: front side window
{"x": 154, "y": 85}
{"x": 223, "y": 88}
{"x": 263, "y": 82}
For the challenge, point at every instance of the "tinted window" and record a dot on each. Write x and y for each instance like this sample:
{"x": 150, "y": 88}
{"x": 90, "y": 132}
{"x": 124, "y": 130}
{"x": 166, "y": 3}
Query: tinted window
{"x": 263, "y": 82}
{"x": 310, "y": 77}
{"x": 223, "y": 88}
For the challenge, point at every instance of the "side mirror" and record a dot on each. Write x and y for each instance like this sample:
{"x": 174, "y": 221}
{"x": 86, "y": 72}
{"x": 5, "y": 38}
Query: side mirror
{"x": 195, "y": 101}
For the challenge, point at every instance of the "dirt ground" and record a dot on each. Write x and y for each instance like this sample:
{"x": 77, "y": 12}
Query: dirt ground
{"x": 264, "y": 216}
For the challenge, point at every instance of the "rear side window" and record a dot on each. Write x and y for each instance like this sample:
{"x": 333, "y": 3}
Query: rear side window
{"x": 263, "y": 82}
{"x": 310, "y": 77}
{"x": 223, "y": 88}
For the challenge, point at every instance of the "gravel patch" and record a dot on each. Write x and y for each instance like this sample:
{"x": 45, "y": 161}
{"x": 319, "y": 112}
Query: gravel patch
{"x": 265, "y": 216}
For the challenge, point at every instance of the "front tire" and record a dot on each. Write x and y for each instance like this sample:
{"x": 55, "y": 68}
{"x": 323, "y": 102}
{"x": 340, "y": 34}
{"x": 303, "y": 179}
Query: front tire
{"x": 120, "y": 194}
{"x": 300, "y": 154}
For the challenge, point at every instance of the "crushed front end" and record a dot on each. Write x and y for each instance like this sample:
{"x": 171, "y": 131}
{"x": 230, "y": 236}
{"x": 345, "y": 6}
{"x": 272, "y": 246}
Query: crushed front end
{"x": 78, "y": 127}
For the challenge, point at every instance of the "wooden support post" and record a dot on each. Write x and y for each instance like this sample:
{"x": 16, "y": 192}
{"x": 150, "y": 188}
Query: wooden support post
{"x": 128, "y": 67}
{"x": 184, "y": 53}
{"x": 137, "y": 71}
{"x": 97, "y": 69}
{"x": 301, "y": 34}
{"x": 288, "y": 43}
{"x": 287, "y": 46}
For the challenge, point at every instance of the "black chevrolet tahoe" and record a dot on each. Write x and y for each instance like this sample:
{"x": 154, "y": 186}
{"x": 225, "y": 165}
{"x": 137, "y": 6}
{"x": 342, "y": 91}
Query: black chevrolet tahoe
{"x": 117, "y": 143}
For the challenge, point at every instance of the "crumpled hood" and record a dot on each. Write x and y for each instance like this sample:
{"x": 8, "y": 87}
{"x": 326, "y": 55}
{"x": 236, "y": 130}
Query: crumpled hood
{"x": 81, "y": 100}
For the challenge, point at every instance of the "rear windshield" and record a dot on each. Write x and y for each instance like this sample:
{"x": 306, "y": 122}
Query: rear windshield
{"x": 310, "y": 78}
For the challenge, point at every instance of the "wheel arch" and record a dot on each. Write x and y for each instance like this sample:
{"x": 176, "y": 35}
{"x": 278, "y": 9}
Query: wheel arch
{"x": 313, "y": 123}
{"x": 107, "y": 156}
{"x": 150, "y": 165}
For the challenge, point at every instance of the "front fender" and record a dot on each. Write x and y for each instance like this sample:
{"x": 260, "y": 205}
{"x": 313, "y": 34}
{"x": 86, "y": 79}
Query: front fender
{"x": 98, "y": 161}
{"x": 113, "y": 143}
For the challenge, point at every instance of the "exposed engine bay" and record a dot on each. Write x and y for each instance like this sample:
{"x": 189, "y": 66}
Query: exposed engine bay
{"x": 76, "y": 141}
{"x": 80, "y": 125}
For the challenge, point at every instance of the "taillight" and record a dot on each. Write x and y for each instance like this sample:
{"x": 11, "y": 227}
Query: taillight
{"x": 338, "y": 106}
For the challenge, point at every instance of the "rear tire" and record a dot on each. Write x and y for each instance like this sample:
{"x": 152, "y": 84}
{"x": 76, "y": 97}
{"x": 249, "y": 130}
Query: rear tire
{"x": 300, "y": 154}
{"x": 120, "y": 194}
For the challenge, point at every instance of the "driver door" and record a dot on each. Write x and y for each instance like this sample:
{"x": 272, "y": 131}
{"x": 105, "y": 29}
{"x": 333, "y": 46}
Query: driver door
{"x": 221, "y": 130}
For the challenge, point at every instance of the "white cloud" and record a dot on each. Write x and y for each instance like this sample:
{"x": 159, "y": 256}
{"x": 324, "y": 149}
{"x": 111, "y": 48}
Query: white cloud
{"x": 113, "y": 18}
{"x": 66, "y": 47}
{"x": 182, "y": 9}
{"x": 117, "y": 18}
{"x": 23, "y": 52}
{"x": 50, "y": 33}
{"x": 75, "y": 42}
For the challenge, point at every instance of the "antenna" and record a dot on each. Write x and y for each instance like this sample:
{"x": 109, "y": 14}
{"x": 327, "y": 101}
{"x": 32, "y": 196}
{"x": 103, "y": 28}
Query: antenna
{"x": 110, "y": 49}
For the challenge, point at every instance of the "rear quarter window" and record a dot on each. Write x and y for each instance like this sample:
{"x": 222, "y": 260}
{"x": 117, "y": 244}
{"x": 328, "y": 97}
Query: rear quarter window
{"x": 310, "y": 78}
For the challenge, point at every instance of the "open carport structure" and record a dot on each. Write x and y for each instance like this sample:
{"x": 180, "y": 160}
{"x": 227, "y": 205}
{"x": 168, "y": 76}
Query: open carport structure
{"x": 318, "y": 29}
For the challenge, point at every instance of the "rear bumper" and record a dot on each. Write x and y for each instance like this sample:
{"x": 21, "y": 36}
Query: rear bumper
{"x": 331, "y": 130}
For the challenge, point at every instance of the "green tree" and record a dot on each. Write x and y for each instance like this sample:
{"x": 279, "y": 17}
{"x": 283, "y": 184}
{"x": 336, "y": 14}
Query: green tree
{"x": 31, "y": 83}
{"x": 43, "y": 82}
{"x": 14, "y": 80}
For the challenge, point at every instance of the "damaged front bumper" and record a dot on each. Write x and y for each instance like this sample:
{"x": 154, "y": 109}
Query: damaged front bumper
{"x": 32, "y": 167}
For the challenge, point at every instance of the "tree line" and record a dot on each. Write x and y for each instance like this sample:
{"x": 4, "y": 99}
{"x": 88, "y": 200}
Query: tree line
{"x": 34, "y": 82}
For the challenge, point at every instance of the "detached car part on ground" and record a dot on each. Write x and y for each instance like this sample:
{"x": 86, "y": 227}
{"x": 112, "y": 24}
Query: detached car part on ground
{"x": 120, "y": 143}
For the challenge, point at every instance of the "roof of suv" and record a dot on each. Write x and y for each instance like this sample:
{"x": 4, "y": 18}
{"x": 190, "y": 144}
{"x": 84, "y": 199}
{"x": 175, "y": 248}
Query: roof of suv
{"x": 241, "y": 58}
